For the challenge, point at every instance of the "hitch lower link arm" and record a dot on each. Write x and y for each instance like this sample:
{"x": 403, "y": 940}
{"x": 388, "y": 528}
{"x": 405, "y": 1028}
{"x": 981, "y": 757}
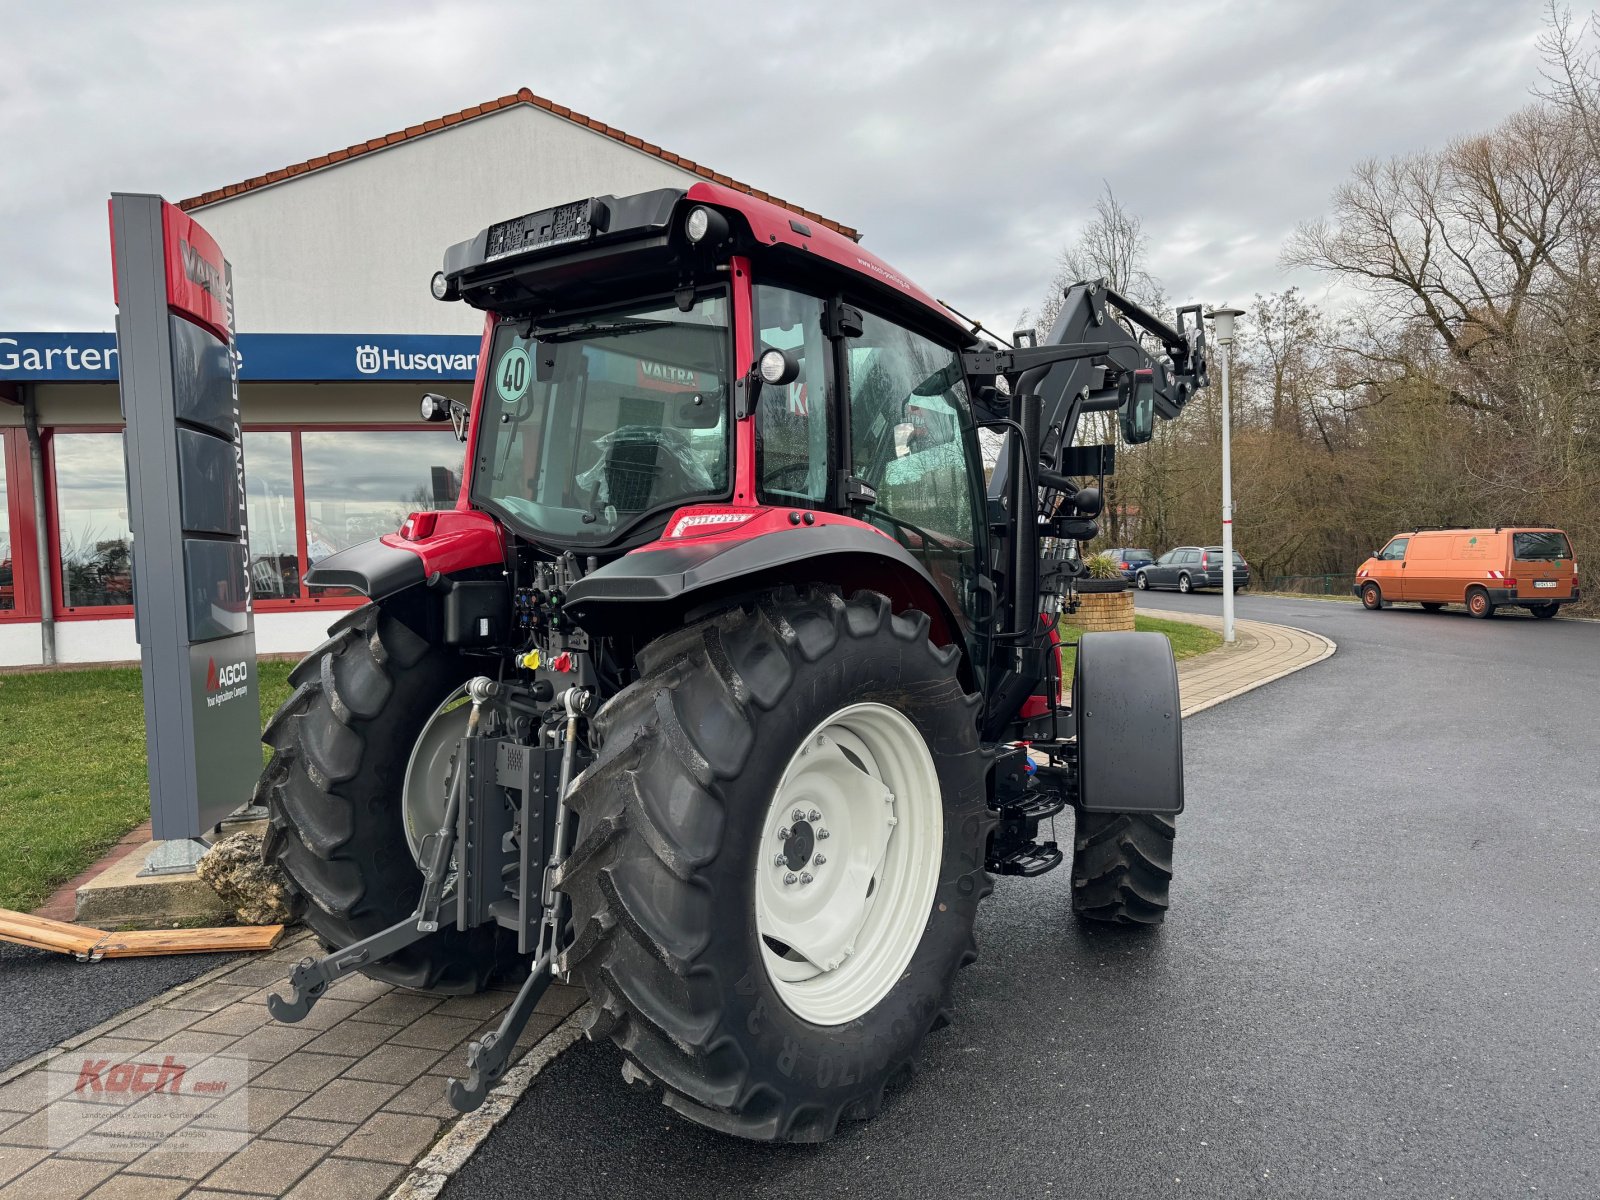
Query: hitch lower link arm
{"x": 488, "y": 1057}
{"x": 312, "y": 977}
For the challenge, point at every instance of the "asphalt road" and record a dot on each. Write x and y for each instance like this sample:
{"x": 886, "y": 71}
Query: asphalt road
{"x": 1380, "y": 975}
{"x": 46, "y": 998}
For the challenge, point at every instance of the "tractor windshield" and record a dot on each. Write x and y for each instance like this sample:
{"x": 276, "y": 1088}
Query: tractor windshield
{"x": 591, "y": 423}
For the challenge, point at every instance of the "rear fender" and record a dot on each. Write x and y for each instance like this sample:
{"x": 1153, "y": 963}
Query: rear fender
{"x": 1129, "y": 724}
{"x": 659, "y": 585}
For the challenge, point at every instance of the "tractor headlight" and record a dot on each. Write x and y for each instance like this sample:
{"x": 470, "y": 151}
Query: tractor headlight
{"x": 704, "y": 223}
{"x": 777, "y": 366}
{"x": 441, "y": 287}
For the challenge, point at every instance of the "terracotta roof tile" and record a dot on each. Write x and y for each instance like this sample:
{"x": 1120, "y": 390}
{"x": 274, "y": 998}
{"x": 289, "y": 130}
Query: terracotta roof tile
{"x": 522, "y": 96}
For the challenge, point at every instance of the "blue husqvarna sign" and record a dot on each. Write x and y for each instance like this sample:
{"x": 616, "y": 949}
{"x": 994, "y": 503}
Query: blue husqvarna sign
{"x": 323, "y": 357}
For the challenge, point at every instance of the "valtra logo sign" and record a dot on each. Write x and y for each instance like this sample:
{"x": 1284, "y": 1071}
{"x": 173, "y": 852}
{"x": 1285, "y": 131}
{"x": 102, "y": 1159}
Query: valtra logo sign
{"x": 226, "y": 682}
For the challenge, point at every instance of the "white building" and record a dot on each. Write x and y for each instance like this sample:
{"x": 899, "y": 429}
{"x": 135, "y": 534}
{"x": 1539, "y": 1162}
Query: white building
{"x": 339, "y": 337}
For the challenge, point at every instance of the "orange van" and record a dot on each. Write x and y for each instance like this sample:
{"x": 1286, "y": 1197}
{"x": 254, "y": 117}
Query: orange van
{"x": 1526, "y": 566}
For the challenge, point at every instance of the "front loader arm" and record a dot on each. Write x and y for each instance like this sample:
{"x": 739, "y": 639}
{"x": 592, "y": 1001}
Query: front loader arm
{"x": 1098, "y": 358}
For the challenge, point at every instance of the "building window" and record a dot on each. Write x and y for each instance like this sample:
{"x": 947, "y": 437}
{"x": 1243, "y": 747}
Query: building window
{"x": 8, "y": 579}
{"x": 92, "y": 520}
{"x": 360, "y": 484}
{"x": 309, "y": 493}
{"x": 274, "y": 536}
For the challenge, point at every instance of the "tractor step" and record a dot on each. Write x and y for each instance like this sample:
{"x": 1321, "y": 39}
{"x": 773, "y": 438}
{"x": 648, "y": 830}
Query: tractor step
{"x": 1032, "y": 859}
{"x": 1034, "y": 806}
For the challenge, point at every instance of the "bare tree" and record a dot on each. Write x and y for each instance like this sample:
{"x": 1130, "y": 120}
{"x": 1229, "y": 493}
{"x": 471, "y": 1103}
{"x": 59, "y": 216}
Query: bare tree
{"x": 1113, "y": 246}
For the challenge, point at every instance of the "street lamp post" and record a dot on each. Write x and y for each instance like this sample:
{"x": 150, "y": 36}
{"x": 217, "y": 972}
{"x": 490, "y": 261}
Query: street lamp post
{"x": 1222, "y": 330}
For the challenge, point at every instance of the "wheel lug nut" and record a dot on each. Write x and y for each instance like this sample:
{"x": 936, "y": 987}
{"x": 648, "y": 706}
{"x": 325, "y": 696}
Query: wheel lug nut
{"x": 798, "y": 814}
{"x": 820, "y": 860}
{"x": 783, "y": 834}
{"x": 789, "y": 878}
{"x": 805, "y": 877}
{"x": 822, "y": 834}
{"x": 814, "y": 815}
{"x": 779, "y": 860}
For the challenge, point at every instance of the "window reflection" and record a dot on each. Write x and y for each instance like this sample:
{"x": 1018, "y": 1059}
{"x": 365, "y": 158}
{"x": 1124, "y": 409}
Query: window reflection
{"x": 269, "y": 486}
{"x": 361, "y": 484}
{"x": 8, "y": 585}
{"x": 92, "y": 520}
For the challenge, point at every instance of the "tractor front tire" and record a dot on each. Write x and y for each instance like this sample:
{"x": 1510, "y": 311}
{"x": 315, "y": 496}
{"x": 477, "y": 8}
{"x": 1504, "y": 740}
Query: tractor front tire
{"x": 332, "y": 790}
{"x": 703, "y": 821}
{"x": 1122, "y": 867}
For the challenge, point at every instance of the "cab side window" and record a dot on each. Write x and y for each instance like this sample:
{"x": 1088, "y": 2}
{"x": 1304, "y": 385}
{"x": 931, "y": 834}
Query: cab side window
{"x": 794, "y": 433}
{"x": 1394, "y": 551}
{"x": 912, "y": 441}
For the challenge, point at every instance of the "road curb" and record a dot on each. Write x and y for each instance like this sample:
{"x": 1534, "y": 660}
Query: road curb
{"x": 453, "y": 1150}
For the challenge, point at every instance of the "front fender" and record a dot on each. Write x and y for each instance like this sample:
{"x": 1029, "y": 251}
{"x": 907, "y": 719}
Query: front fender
{"x": 429, "y": 543}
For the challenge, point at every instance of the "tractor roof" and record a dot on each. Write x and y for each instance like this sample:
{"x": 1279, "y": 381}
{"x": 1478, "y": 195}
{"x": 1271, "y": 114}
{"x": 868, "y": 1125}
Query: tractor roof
{"x": 775, "y": 225}
{"x": 570, "y": 248}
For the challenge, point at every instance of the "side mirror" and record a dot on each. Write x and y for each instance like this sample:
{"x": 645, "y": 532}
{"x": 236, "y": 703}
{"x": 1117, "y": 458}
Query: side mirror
{"x": 1138, "y": 406}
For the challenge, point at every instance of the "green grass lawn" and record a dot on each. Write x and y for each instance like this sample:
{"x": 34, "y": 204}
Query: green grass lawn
{"x": 1187, "y": 641}
{"x": 72, "y": 771}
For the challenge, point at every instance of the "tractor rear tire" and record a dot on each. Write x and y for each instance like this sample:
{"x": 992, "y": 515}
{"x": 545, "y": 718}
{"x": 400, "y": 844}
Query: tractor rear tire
{"x": 1122, "y": 867}
{"x": 332, "y": 788}
{"x": 674, "y": 848}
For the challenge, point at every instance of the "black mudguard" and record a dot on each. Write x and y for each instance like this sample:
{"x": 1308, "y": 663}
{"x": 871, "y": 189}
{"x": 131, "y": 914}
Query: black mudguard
{"x": 371, "y": 568}
{"x": 696, "y": 572}
{"x": 1129, "y": 724}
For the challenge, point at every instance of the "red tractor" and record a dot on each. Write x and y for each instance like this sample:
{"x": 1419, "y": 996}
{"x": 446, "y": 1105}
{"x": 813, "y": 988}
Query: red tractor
{"x": 733, "y": 675}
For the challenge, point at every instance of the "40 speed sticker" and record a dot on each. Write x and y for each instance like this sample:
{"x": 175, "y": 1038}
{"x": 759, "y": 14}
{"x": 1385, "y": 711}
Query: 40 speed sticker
{"x": 513, "y": 371}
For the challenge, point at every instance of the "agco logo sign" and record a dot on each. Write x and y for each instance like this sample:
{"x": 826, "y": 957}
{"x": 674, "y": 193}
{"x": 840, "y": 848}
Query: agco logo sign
{"x": 226, "y": 682}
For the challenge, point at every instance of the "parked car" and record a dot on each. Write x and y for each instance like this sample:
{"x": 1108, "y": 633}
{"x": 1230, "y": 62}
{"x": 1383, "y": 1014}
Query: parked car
{"x": 1129, "y": 560}
{"x": 1485, "y": 569}
{"x": 1190, "y": 568}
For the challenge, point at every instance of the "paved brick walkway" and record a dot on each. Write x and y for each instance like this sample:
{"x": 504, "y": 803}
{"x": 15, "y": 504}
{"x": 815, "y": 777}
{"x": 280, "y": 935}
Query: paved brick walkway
{"x": 1260, "y": 654}
{"x": 345, "y": 1103}
{"x": 338, "y": 1106}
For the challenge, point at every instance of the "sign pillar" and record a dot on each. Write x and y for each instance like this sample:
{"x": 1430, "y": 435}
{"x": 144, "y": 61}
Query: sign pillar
{"x": 193, "y": 609}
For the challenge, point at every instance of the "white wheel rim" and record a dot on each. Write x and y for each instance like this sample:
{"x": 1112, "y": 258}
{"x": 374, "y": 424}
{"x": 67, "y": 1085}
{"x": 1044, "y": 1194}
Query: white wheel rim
{"x": 425, "y": 794}
{"x": 838, "y": 931}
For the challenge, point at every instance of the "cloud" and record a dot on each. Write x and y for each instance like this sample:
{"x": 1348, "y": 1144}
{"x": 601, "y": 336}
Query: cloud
{"x": 969, "y": 150}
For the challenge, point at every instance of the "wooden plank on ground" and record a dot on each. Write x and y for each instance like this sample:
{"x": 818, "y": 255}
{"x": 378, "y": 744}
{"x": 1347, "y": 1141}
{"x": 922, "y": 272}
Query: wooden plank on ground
{"x": 44, "y": 934}
{"x": 41, "y": 933}
{"x": 138, "y": 942}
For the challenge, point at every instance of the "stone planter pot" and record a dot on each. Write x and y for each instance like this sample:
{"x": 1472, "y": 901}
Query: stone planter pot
{"x": 1102, "y": 612}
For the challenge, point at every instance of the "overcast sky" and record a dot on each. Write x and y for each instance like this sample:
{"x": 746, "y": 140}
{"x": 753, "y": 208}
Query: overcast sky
{"x": 968, "y": 142}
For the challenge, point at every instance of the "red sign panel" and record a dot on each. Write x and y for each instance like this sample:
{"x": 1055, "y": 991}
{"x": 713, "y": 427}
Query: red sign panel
{"x": 196, "y": 274}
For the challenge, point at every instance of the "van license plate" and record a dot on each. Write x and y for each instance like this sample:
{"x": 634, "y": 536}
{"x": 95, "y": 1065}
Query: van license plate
{"x": 1544, "y": 583}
